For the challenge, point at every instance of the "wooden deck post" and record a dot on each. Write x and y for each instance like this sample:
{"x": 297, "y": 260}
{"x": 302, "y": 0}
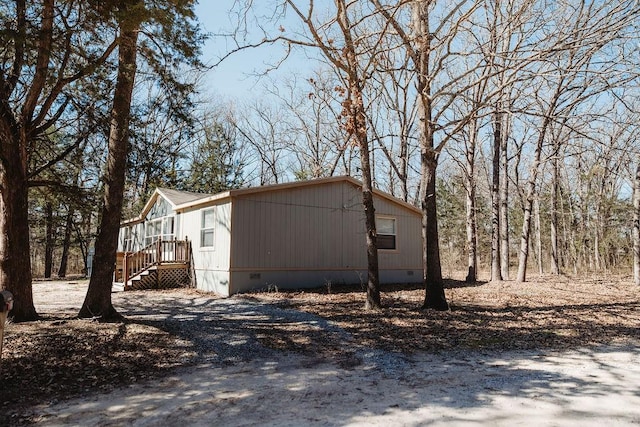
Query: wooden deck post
{"x": 189, "y": 265}
{"x": 125, "y": 269}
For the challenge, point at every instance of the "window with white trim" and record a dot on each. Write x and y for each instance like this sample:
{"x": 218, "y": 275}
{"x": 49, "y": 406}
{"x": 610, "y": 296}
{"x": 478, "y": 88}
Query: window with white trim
{"x": 128, "y": 240}
{"x": 207, "y": 228}
{"x": 159, "y": 229}
{"x": 386, "y": 229}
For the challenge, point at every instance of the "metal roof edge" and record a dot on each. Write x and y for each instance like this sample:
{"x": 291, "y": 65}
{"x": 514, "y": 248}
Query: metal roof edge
{"x": 261, "y": 189}
{"x": 203, "y": 201}
{"x": 344, "y": 178}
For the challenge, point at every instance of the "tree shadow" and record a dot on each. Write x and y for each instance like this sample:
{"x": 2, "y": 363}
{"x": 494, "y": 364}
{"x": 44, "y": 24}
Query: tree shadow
{"x": 345, "y": 288}
{"x": 462, "y": 359}
{"x": 339, "y": 370}
{"x": 458, "y": 284}
{"x": 477, "y": 389}
{"x": 59, "y": 358}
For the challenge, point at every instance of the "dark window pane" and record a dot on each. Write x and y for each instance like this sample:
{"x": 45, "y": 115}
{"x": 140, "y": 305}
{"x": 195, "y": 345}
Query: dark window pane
{"x": 386, "y": 241}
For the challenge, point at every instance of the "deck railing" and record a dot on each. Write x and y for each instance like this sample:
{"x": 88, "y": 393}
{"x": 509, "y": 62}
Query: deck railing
{"x": 158, "y": 252}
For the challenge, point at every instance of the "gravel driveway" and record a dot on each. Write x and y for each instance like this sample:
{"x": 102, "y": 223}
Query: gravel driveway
{"x": 238, "y": 381}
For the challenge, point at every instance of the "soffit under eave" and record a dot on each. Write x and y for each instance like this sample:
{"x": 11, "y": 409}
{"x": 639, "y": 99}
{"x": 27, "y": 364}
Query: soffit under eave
{"x": 203, "y": 203}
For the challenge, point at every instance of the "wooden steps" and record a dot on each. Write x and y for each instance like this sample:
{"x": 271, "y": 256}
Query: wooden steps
{"x": 161, "y": 265}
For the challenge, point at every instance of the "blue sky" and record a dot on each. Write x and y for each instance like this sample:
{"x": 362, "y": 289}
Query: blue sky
{"x": 233, "y": 79}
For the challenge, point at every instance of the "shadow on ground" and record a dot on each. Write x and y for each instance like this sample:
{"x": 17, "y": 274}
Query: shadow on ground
{"x": 592, "y": 386}
{"x": 317, "y": 354}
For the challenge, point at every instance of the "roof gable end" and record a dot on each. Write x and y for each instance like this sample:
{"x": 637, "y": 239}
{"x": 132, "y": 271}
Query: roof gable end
{"x": 173, "y": 197}
{"x": 176, "y": 197}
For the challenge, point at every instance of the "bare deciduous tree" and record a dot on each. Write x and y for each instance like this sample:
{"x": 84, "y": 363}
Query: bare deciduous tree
{"x": 636, "y": 226}
{"x": 570, "y": 75}
{"x": 337, "y": 33}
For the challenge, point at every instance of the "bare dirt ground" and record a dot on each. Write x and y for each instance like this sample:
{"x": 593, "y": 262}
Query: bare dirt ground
{"x": 555, "y": 351}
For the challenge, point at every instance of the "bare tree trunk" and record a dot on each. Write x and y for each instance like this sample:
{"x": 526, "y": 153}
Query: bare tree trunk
{"x": 528, "y": 208}
{"x": 357, "y": 126}
{"x": 555, "y": 195}
{"x": 97, "y": 302}
{"x": 404, "y": 165}
{"x": 472, "y": 237}
{"x": 66, "y": 243}
{"x": 48, "y": 243}
{"x": 599, "y": 224}
{"x": 596, "y": 243}
{"x": 568, "y": 235}
{"x": 470, "y": 184}
{"x": 636, "y": 226}
{"x": 84, "y": 240}
{"x": 434, "y": 285}
{"x": 504, "y": 201}
{"x": 373, "y": 277}
{"x": 496, "y": 272}
{"x": 538, "y": 232}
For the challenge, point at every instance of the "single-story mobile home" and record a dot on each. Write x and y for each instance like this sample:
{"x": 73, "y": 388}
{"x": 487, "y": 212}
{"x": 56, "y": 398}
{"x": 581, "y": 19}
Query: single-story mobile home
{"x": 294, "y": 235}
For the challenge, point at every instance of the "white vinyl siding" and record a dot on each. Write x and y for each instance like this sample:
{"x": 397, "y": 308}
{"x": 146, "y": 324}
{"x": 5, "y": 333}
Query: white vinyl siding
{"x": 210, "y": 263}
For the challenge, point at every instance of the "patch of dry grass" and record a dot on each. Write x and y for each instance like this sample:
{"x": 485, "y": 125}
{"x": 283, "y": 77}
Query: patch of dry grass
{"x": 556, "y": 312}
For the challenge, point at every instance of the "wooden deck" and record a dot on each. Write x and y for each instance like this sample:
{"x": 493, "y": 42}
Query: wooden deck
{"x": 160, "y": 265}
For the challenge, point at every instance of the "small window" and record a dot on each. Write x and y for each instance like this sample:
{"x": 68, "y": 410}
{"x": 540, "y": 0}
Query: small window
{"x": 386, "y": 228}
{"x": 206, "y": 233}
{"x": 167, "y": 228}
{"x": 127, "y": 245}
{"x": 153, "y": 231}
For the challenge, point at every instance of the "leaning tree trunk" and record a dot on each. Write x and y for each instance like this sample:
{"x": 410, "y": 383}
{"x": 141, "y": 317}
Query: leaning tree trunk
{"x": 528, "y": 208}
{"x": 636, "y": 227}
{"x": 97, "y": 302}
